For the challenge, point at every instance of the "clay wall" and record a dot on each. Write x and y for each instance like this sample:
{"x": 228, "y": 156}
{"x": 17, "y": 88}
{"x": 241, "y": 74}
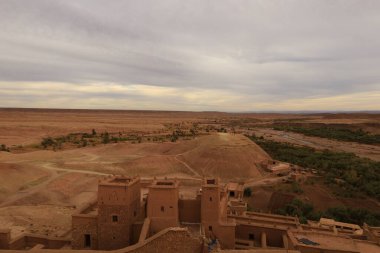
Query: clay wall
{"x": 28, "y": 240}
{"x": 50, "y": 243}
{"x": 169, "y": 241}
{"x": 114, "y": 236}
{"x": 82, "y": 226}
{"x": 5, "y": 238}
{"x": 136, "y": 230}
{"x": 214, "y": 214}
{"x": 18, "y": 243}
{"x": 190, "y": 210}
{"x": 210, "y": 203}
{"x": 252, "y": 232}
{"x": 162, "y": 207}
{"x": 226, "y": 235}
{"x": 119, "y": 207}
{"x": 118, "y": 194}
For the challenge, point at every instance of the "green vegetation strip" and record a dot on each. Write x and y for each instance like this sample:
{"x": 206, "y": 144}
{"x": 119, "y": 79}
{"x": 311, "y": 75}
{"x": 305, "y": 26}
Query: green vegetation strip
{"x": 341, "y": 134}
{"x": 349, "y": 174}
{"x": 305, "y": 211}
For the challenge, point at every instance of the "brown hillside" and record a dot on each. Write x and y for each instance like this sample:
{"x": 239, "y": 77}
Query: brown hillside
{"x": 227, "y": 156}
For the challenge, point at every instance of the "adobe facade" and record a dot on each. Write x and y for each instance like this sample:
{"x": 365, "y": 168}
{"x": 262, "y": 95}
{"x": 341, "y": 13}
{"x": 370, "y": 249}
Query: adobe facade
{"x": 118, "y": 208}
{"x": 162, "y": 204}
{"x": 215, "y": 220}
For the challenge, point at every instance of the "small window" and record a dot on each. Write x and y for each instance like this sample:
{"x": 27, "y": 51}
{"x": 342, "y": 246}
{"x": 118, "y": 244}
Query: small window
{"x": 134, "y": 213}
{"x": 211, "y": 181}
{"x": 115, "y": 218}
{"x": 209, "y": 228}
{"x": 251, "y": 237}
{"x": 232, "y": 194}
{"x": 162, "y": 209}
{"x": 210, "y": 199}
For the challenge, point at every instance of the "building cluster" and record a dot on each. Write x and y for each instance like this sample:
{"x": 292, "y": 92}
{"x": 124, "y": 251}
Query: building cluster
{"x": 129, "y": 219}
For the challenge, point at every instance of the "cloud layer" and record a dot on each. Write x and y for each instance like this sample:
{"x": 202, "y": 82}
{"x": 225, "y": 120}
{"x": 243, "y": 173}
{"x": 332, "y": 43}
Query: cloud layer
{"x": 191, "y": 55}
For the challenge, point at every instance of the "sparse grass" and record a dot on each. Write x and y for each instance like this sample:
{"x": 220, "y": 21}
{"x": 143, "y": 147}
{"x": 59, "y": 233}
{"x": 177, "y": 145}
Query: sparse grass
{"x": 305, "y": 211}
{"x": 331, "y": 132}
{"x": 293, "y": 187}
{"x": 348, "y": 174}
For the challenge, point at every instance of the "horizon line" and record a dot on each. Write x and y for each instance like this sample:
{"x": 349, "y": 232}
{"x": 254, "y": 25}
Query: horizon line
{"x": 206, "y": 111}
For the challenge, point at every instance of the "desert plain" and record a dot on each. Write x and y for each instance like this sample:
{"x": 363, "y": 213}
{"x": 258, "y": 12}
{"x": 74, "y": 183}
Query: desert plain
{"x": 53, "y": 159}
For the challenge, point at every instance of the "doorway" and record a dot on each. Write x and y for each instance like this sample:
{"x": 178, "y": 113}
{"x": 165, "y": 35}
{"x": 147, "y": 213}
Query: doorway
{"x": 87, "y": 241}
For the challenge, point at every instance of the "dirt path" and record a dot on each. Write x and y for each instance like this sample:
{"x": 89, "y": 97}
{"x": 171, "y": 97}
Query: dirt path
{"x": 187, "y": 166}
{"x": 53, "y": 167}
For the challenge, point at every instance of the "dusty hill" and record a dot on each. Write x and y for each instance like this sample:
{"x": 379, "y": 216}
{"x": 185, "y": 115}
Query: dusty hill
{"x": 227, "y": 156}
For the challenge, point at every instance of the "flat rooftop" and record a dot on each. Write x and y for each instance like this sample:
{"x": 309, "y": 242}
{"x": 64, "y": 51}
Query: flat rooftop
{"x": 211, "y": 181}
{"x": 164, "y": 183}
{"x": 331, "y": 222}
{"x": 234, "y": 187}
{"x": 119, "y": 181}
{"x": 322, "y": 240}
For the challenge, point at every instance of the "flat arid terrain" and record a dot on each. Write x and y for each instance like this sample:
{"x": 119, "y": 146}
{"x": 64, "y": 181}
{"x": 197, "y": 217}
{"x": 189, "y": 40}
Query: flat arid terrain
{"x": 52, "y": 159}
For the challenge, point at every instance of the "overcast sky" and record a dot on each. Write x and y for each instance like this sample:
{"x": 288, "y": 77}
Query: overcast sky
{"x": 190, "y": 55}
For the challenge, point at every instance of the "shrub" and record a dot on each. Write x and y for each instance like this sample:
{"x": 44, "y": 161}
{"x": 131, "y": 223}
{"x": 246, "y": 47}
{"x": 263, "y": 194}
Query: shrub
{"x": 356, "y": 175}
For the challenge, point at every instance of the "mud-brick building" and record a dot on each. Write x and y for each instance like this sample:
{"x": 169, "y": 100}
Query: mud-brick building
{"x": 144, "y": 216}
{"x": 214, "y": 218}
{"x": 162, "y": 205}
{"x": 119, "y": 207}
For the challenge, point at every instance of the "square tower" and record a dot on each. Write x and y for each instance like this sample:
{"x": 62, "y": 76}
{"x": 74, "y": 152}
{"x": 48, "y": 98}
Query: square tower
{"x": 162, "y": 206}
{"x": 214, "y": 219}
{"x": 118, "y": 208}
{"x": 210, "y": 205}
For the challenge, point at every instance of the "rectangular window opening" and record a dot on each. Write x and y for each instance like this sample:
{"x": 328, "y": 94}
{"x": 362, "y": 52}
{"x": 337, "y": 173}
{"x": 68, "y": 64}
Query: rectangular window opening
{"x": 115, "y": 218}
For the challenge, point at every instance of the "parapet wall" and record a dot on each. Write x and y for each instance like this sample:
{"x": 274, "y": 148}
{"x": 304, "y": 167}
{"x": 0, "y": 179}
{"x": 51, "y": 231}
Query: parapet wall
{"x": 27, "y": 240}
{"x": 170, "y": 240}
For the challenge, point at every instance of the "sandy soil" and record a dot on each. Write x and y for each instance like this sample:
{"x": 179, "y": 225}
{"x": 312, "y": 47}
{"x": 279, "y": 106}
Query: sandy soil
{"x": 38, "y": 186}
{"x": 226, "y": 155}
{"x": 65, "y": 180}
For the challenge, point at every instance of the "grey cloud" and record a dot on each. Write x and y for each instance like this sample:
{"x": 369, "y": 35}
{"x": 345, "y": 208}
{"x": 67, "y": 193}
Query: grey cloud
{"x": 274, "y": 49}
